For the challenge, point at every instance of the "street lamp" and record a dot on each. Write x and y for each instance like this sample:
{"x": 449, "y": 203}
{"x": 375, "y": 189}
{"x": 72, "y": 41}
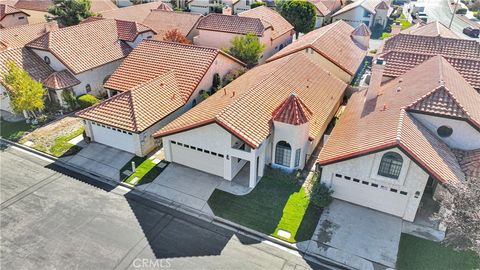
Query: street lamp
{"x": 453, "y": 15}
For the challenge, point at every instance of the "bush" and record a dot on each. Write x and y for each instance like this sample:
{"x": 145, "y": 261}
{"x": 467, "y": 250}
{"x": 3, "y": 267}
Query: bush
{"x": 462, "y": 11}
{"x": 69, "y": 97}
{"x": 232, "y": 75}
{"x": 218, "y": 8}
{"x": 257, "y": 4}
{"x": 87, "y": 100}
{"x": 321, "y": 194}
{"x": 217, "y": 82}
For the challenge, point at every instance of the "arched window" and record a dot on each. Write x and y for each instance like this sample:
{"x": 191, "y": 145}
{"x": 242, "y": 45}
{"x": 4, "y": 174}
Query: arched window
{"x": 283, "y": 152}
{"x": 391, "y": 165}
{"x": 88, "y": 88}
{"x": 47, "y": 60}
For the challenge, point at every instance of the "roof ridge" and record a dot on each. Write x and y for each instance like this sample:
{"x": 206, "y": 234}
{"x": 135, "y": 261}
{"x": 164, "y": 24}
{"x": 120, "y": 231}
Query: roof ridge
{"x": 398, "y": 136}
{"x": 180, "y": 44}
{"x": 130, "y": 101}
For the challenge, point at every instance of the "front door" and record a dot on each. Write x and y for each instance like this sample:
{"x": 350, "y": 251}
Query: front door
{"x": 430, "y": 186}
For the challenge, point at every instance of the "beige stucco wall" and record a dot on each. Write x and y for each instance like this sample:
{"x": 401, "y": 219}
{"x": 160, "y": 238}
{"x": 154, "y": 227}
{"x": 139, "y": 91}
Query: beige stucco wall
{"x": 365, "y": 168}
{"x": 15, "y": 19}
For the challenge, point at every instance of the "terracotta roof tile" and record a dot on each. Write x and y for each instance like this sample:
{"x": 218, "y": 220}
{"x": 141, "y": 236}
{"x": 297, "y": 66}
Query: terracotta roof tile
{"x": 231, "y": 24}
{"x": 162, "y": 21}
{"x": 469, "y": 161}
{"x": 26, "y": 59}
{"x": 135, "y": 13}
{"x": 152, "y": 58}
{"x": 387, "y": 122}
{"x": 128, "y": 31}
{"x": 7, "y": 10}
{"x": 42, "y": 5}
{"x": 245, "y": 106}
{"x": 431, "y": 29}
{"x": 85, "y": 46}
{"x": 292, "y": 111}
{"x": 362, "y": 30}
{"x": 164, "y": 7}
{"x": 60, "y": 80}
{"x": 279, "y": 24}
{"x": 138, "y": 109}
{"x": 19, "y": 36}
{"x": 334, "y": 42}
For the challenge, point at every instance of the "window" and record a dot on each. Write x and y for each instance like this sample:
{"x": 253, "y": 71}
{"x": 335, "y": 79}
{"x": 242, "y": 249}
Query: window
{"x": 220, "y": 155}
{"x": 47, "y": 60}
{"x": 282, "y": 153}
{"x": 88, "y": 88}
{"x": 338, "y": 175}
{"x": 444, "y": 131}
{"x": 391, "y": 165}
{"x": 194, "y": 102}
{"x": 174, "y": 142}
{"x": 403, "y": 192}
{"x": 374, "y": 185}
{"x": 297, "y": 157}
{"x": 366, "y": 13}
{"x": 365, "y": 182}
{"x": 21, "y": 18}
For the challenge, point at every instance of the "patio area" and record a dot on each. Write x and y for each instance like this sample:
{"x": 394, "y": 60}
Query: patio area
{"x": 425, "y": 225}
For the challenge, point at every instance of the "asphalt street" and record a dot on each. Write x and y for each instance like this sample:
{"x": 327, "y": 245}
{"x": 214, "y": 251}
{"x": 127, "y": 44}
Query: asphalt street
{"x": 54, "y": 219}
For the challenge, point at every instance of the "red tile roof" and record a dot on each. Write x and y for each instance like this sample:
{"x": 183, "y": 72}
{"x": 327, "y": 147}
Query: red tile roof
{"x": 163, "y": 21}
{"x": 469, "y": 162}
{"x": 19, "y": 36}
{"x": 60, "y": 80}
{"x": 138, "y": 109}
{"x": 86, "y": 46}
{"x": 292, "y": 111}
{"x": 245, "y": 106}
{"x": 7, "y": 10}
{"x": 333, "y": 42}
{"x": 232, "y": 24}
{"x": 26, "y": 59}
{"x": 152, "y": 58}
{"x": 362, "y": 30}
{"x": 42, "y": 5}
{"x": 387, "y": 121}
{"x": 135, "y": 13}
{"x": 431, "y": 29}
{"x": 326, "y": 7}
{"x": 279, "y": 24}
{"x": 128, "y": 31}
{"x": 164, "y": 7}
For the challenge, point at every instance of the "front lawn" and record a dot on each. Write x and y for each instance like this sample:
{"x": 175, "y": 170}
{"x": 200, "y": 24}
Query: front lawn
{"x": 145, "y": 171}
{"x": 278, "y": 202}
{"x": 61, "y": 146}
{"x": 13, "y": 130}
{"x": 417, "y": 253}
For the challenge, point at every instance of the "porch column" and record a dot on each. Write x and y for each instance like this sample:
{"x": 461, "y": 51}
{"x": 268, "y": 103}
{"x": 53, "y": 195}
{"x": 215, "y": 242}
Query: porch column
{"x": 227, "y": 168}
{"x": 252, "y": 182}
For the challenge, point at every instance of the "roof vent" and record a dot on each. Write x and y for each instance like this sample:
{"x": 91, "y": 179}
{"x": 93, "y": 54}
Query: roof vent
{"x": 399, "y": 89}
{"x": 233, "y": 93}
{"x": 384, "y": 107}
{"x": 224, "y": 91}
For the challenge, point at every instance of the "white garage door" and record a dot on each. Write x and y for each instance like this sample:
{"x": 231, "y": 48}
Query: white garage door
{"x": 197, "y": 158}
{"x": 113, "y": 137}
{"x": 370, "y": 194}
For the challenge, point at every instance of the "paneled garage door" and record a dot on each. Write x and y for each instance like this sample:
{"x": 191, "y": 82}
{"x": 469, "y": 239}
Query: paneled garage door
{"x": 197, "y": 158}
{"x": 113, "y": 137}
{"x": 369, "y": 194}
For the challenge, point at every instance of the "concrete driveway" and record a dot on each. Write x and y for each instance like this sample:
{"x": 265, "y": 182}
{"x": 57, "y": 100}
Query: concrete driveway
{"x": 101, "y": 160}
{"x": 361, "y": 237}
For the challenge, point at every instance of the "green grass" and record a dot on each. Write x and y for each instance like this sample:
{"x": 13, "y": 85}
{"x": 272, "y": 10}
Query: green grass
{"x": 416, "y": 253}
{"x": 403, "y": 22}
{"x": 278, "y": 202}
{"x": 61, "y": 146}
{"x": 13, "y": 130}
{"x": 145, "y": 170}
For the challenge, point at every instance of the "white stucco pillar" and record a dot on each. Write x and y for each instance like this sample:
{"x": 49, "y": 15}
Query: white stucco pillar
{"x": 227, "y": 168}
{"x": 253, "y": 174}
{"x": 167, "y": 150}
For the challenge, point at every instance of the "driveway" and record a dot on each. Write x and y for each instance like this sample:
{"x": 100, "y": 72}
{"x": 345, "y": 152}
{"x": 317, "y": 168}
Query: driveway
{"x": 359, "y": 236}
{"x": 101, "y": 160}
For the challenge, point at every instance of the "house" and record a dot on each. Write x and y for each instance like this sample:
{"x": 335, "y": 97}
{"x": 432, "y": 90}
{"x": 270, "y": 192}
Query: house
{"x": 162, "y": 21}
{"x": 338, "y": 48}
{"x": 217, "y": 30}
{"x": 156, "y": 83}
{"x": 325, "y": 9}
{"x": 406, "y": 50}
{"x": 88, "y": 53}
{"x": 11, "y": 16}
{"x": 205, "y": 7}
{"x": 398, "y": 141}
{"x": 135, "y": 13}
{"x": 369, "y": 12}
{"x": 431, "y": 29}
{"x": 43, "y": 5}
{"x": 19, "y": 36}
{"x": 274, "y": 114}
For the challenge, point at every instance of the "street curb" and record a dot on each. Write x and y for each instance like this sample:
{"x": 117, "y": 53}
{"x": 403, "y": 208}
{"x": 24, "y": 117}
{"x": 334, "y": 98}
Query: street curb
{"x": 235, "y": 227}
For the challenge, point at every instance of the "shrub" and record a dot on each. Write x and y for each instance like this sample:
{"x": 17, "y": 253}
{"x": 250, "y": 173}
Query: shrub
{"x": 217, "y": 82}
{"x": 257, "y": 4}
{"x": 232, "y": 75}
{"x": 218, "y": 8}
{"x": 87, "y": 100}
{"x": 69, "y": 97}
{"x": 321, "y": 194}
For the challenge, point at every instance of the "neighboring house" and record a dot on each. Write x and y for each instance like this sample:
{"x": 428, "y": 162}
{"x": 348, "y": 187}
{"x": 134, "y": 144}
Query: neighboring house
{"x": 274, "y": 114}
{"x": 431, "y": 29}
{"x": 338, "y": 48}
{"x": 156, "y": 83}
{"x": 282, "y": 30}
{"x": 42, "y": 5}
{"x": 19, "y": 36}
{"x": 85, "y": 55}
{"x": 207, "y": 6}
{"x": 162, "y": 21}
{"x": 325, "y": 9}
{"x": 369, "y": 12}
{"x": 135, "y": 13}
{"x": 217, "y": 30}
{"x": 399, "y": 141}
{"x": 404, "y": 51}
{"x": 11, "y": 16}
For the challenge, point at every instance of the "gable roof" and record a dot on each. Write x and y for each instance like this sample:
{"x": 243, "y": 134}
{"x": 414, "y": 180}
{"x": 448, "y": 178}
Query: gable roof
{"x": 87, "y": 45}
{"x": 431, "y": 29}
{"x": 279, "y": 24}
{"x": 292, "y": 111}
{"x": 362, "y": 30}
{"x": 19, "y": 36}
{"x": 27, "y": 60}
{"x": 369, "y": 5}
{"x": 136, "y": 13}
{"x": 232, "y": 24}
{"x": 42, "y": 5}
{"x": 333, "y": 42}
{"x": 162, "y": 21}
{"x": 138, "y": 109}
{"x": 387, "y": 121}
{"x": 60, "y": 80}
{"x": 326, "y": 7}
{"x": 152, "y": 58}
{"x": 245, "y": 106}
{"x": 8, "y": 10}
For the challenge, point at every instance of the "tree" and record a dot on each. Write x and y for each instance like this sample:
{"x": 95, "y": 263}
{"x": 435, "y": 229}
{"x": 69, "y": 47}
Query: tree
{"x": 247, "y": 48}
{"x": 175, "y": 36}
{"x": 26, "y": 94}
{"x": 460, "y": 213}
{"x": 257, "y": 4}
{"x": 69, "y": 12}
{"x": 301, "y": 14}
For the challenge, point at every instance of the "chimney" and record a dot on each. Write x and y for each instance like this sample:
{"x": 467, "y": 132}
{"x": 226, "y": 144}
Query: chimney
{"x": 227, "y": 10}
{"x": 396, "y": 28}
{"x": 376, "y": 79}
{"x": 361, "y": 35}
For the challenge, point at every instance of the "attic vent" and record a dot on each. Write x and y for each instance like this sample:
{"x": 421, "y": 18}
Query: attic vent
{"x": 399, "y": 89}
{"x": 233, "y": 93}
{"x": 224, "y": 91}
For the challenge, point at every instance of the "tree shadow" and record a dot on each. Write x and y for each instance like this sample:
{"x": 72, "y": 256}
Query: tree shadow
{"x": 309, "y": 223}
